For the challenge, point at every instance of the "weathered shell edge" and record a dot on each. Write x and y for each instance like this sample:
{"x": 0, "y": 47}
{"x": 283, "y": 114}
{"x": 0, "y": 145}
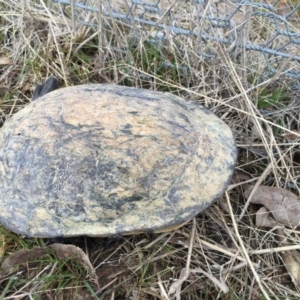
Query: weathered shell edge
{"x": 40, "y": 223}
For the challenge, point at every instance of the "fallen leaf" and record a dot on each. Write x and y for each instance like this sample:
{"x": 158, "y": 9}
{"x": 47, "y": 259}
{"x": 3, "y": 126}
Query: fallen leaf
{"x": 263, "y": 219}
{"x": 290, "y": 258}
{"x": 5, "y": 61}
{"x": 67, "y": 251}
{"x": 27, "y": 87}
{"x": 23, "y": 256}
{"x": 284, "y": 205}
{"x": 292, "y": 136}
{"x": 240, "y": 176}
{"x": 61, "y": 250}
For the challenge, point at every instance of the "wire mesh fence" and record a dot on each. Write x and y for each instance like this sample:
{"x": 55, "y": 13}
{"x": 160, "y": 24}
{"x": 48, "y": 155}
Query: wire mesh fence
{"x": 263, "y": 33}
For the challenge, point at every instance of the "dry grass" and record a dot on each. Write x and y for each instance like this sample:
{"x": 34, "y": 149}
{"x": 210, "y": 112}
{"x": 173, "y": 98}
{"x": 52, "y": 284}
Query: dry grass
{"x": 219, "y": 249}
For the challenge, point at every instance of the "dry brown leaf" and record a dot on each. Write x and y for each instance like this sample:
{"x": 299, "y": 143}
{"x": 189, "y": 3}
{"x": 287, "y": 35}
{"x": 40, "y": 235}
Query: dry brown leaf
{"x": 61, "y": 250}
{"x": 292, "y": 136}
{"x": 263, "y": 219}
{"x": 240, "y": 176}
{"x": 23, "y": 256}
{"x": 290, "y": 258}
{"x": 66, "y": 251}
{"x": 27, "y": 87}
{"x": 263, "y": 195}
{"x": 5, "y": 61}
{"x": 284, "y": 205}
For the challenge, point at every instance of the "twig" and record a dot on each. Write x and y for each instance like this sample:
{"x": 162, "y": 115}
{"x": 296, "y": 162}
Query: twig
{"x": 245, "y": 250}
{"x": 176, "y": 286}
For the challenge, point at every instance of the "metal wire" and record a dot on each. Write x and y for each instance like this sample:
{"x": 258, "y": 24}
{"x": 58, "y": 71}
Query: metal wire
{"x": 226, "y": 22}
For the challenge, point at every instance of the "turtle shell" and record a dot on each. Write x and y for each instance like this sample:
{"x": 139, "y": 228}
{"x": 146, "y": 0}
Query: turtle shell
{"x": 102, "y": 160}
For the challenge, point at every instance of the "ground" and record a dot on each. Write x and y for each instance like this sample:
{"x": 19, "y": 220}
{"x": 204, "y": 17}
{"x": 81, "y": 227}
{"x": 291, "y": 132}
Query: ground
{"x": 223, "y": 253}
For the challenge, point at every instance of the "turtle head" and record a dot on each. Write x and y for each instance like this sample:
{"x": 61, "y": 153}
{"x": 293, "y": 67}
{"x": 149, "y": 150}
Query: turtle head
{"x": 50, "y": 85}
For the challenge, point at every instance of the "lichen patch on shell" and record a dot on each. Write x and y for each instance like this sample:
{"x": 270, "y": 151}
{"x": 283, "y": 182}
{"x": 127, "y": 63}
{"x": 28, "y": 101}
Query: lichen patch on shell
{"x": 100, "y": 160}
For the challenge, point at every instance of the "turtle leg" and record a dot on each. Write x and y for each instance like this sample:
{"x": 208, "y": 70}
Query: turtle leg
{"x": 111, "y": 241}
{"x": 50, "y": 85}
{"x": 50, "y": 241}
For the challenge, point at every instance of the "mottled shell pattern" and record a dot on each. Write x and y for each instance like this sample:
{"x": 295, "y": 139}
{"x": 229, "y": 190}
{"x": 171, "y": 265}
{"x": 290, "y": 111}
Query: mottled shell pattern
{"x": 101, "y": 160}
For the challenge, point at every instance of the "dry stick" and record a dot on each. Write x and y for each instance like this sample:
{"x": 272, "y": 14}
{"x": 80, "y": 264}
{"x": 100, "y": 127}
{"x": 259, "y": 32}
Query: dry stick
{"x": 158, "y": 22}
{"x": 189, "y": 91}
{"x": 107, "y": 285}
{"x": 244, "y": 249}
{"x": 162, "y": 288}
{"x": 220, "y": 249}
{"x": 86, "y": 41}
{"x": 53, "y": 20}
{"x": 279, "y": 72}
{"x": 59, "y": 53}
{"x": 100, "y": 35}
{"x": 215, "y": 247}
{"x": 221, "y": 284}
{"x": 261, "y": 145}
{"x": 176, "y": 286}
{"x": 73, "y": 16}
{"x": 232, "y": 186}
{"x": 260, "y": 180}
{"x": 192, "y": 240}
{"x": 250, "y": 107}
{"x": 55, "y": 41}
{"x": 275, "y": 250}
{"x": 36, "y": 278}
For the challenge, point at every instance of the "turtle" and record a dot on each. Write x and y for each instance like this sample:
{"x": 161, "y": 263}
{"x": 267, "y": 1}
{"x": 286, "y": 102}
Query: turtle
{"x": 101, "y": 160}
